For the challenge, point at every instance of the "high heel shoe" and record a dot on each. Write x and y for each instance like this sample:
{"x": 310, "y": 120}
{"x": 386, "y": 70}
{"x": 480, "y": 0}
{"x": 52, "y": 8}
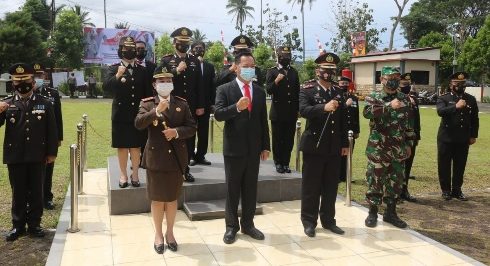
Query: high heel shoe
{"x": 123, "y": 184}
{"x": 160, "y": 248}
{"x": 134, "y": 183}
{"x": 172, "y": 246}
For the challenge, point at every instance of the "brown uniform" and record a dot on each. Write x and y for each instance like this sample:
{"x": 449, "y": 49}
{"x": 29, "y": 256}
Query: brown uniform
{"x": 161, "y": 158}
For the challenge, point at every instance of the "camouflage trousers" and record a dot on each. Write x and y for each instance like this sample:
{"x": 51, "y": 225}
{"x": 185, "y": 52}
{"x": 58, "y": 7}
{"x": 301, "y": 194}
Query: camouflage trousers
{"x": 384, "y": 181}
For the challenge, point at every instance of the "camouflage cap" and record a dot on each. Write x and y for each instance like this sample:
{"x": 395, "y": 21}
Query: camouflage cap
{"x": 389, "y": 70}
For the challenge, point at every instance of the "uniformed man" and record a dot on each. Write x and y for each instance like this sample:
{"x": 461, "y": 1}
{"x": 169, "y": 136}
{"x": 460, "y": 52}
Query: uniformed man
{"x": 351, "y": 118}
{"x": 458, "y": 130}
{"x": 323, "y": 143}
{"x": 42, "y": 88}
{"x": 283, "y": 86}
{"x": 414, "y": 120}
{"x": 389, "y": 145}
{"x": 30, "y": 143}
{"x": 187, "y": 80}
{"x": 240, "y": 44}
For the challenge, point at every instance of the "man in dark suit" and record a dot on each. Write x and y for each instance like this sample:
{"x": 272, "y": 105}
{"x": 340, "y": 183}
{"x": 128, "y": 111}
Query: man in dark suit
{"x": 187, "y": 80}
{"x": 242, "y": 106}
{"x": 42, "y": 88}
{"x": 283, "y": 85}
{"x": 458, "y": 130}
{"x": 30, "y": 143}
{"x": 209, "y": 91}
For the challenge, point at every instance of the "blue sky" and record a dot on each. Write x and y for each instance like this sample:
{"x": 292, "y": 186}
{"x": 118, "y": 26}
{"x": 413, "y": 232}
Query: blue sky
{"x": 210, "y": 16}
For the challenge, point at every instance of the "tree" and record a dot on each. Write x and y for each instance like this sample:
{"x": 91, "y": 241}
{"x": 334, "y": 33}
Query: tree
{"x": 215, "y": 54}
{"x": 475, "y": 57}
{"x": 437, "y": 39}
{"x": 83, "y": 15}
{"x": 354, "y": 17}
{"x": 307, "y": 70}
{"x": 401, "y": 7}
{"x": 67, "y": 40}
{"x": 122, "y": 25}
{"x": 301, "y": 3}
{"x": 20, "y": 40}
{"x": 198, "y": 36}
{"x": 240, "y": 11}
{"x": 163, "y": 46}
{"x": 40, "y": 14}
{"x": 263, "y": 56}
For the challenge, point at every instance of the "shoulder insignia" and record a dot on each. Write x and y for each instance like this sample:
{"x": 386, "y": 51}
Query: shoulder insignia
{"x": 8, "y": 98}
{"x": 180, "y": 98}
{"x": 147, "y": 99}
{"x": 309, "y": 84}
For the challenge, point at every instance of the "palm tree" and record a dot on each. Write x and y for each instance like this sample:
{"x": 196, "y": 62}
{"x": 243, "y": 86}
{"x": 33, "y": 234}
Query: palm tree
{"x": 240, "y": 11}
{"x": 198, "y": 36}
{"x": 302, "y": 3}
{"x": 121, "y": 25}
{"x": 83, "y": 15}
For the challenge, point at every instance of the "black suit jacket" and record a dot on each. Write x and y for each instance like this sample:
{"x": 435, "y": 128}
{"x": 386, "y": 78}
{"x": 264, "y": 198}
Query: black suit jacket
{"x": 149, "y": 69}
{"x": 457, "y": 125}
{"x": 245, "y": 133}
{"x": 54, "y": 96}
{"x": 285, "y": 95}
{"x": 209, "y": 86}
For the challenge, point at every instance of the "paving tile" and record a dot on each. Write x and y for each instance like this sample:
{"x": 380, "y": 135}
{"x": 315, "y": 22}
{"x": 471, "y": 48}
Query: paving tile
{"x": 285, "y": 254}
{"x": 130, "y": 221}
{"x": 391, "y": 257}
{"x": 136, "y": 235}
{"x": 195, "y": 260}
{"x": 326, "y": 248}
{"x": 80, "y": 240}
{"x": 241, "y": 257}
{"x": 215, "y": 243}
{"x": 273, "y": 236}
{"x": 87, "y": 257}
{"x": 296, "y": 233}
{"x": 432, "y": 255}
{"x": 398, "y": 238}
{"x": 134, "y": 252}
{"x": 364, "y": 243}
{"x": 159, "y": 262}
{"x": 188, "y": 246}
{"x": 355, "y": 260}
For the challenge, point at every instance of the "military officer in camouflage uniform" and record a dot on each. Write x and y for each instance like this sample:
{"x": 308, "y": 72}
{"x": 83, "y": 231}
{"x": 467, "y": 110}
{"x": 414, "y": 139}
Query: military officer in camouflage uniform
{"x": 458, "y": 130}
{"x": 388, "y": 146}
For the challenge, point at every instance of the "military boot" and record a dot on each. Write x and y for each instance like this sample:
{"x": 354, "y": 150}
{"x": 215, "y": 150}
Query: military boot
{"x": 391, "y": 217}
{"x": 406, "y": 195}
{"x": 372, "y": 218}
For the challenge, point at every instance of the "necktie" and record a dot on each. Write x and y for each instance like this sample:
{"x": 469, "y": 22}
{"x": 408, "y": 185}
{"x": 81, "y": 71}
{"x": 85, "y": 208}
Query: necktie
{"x": 246, "y": 88}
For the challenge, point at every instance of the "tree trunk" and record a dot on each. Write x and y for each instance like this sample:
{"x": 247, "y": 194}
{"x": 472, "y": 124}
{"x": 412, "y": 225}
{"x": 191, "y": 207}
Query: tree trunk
{"x": 397, "y": 21}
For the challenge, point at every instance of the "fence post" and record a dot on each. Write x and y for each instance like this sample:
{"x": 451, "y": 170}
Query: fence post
{"x": 348, "y": 181}
{"x": 298, "y": 139}
{"x": 211, "y": 132}
{"x": 84, "y": 161}
{"x": 74, "y": 189}
{"x": 79, "y": 157}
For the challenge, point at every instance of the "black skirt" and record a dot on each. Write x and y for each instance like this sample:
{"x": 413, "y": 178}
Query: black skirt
{"x": 125, "y": 135}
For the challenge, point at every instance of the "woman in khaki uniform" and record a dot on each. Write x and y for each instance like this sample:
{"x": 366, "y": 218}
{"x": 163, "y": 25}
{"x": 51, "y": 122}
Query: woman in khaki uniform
{"x": 169, "y": 123}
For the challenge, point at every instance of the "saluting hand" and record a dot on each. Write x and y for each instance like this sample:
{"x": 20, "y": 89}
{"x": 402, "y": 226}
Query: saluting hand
{"x": 120, "y": 71}
{"x": 3, "y": 106}
{"x": 460, "y": 104}
{"x": 279, "y": 78}
{"x": 395, "y": 104}
{"x": 331, "y": 106}
{"x": 243, "y": 103}
{"x": 349, "y": 102}
{"x": 182, "y": 66}
{"x": 233, "y": 67}
{"x": 162, "y": 106}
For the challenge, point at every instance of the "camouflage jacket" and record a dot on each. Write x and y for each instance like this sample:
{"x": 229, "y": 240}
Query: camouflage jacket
{"x": 390, "y": 129}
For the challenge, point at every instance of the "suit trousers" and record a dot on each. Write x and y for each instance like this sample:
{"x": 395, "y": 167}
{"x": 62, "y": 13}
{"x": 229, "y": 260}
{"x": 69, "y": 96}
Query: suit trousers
{"x": 48, "y": 182}
{"x": 409, "y": 163}
{"x": 455, "y": 155}
{"x": 202, "y": 136}
{"x": 241, "y": 181}
{"x": 283, "y": 141}
{"x": 26, "y": 181}
{"x": 320, "y": 181}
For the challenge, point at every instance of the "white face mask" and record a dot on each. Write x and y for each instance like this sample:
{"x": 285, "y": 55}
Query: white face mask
{"x": 164, "y": 89}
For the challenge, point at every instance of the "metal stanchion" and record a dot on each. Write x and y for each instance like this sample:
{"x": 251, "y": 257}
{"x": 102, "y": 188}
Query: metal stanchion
{"x": 80, "y": 157}
{"x": 211, "y": 132}
{"x": 348, "y": 179}
{"x": 298, "y": 139}
{"x": 74, "y": 189}
{"x": 84, "y": 160}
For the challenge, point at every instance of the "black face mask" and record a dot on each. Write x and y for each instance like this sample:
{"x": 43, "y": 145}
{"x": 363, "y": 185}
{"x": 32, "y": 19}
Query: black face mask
{"x": 345, "y": 88}
{"x": 284, "y": 61}
{"x": 199, "y": 52}
{"x": 23, "y": 87}
{"x": 129, "y": 55}
{"x": 406, "y": 89}
{"x": 329, "y": 78}
{"x": 183, "y": 48}
{"x": 141, "y": 54}
{"x": 459, "y": 89}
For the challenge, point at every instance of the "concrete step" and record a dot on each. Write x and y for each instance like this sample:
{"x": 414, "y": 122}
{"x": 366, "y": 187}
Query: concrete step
{"x": 211, "y": 209}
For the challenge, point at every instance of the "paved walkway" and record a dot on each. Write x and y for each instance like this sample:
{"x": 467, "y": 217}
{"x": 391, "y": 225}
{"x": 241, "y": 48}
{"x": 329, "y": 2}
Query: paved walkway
{"x": 128, "y": 239}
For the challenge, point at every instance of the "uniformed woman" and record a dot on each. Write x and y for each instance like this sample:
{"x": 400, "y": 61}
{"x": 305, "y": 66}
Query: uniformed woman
{"x": 169, "y": 123}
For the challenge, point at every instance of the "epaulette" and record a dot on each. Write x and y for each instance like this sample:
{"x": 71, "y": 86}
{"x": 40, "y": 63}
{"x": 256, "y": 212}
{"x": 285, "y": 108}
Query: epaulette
{"x": 147, "y": 99}
{"x": 8, "y": 97}
{"x": 180, "y": 98}
{"x": 309, "y": 84}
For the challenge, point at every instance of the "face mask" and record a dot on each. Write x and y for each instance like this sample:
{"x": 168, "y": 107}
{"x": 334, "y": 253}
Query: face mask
{"x": 284, "y": 61}
{"x": 141, "y": 54}
{"x": 23, "y": 87}
{"x": 39, "y": 83}
{"x": 459, "y": 89}
{"x": 129, "y": 55}
{"x": 326, "y": 75}
{"x": 183, "y": 48}
{"x": 164, "y": 89}
{"x": 405, "y": 89}
{"x": 199, "y": 52}
{"x": 392, "y": 84}
{"x": 344, "y": 88}
{"x": 46, "y": 82}
{"x": 247, "y": 73}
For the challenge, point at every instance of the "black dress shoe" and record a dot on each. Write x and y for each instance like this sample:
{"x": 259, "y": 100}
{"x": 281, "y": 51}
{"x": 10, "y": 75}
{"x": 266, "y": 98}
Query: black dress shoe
{"x": 160, "y": 248}
{"x": 14, "y": 234}
{"x": 204, "y": 162}
{"x": 189, "y": 178}
{"x": 446, "y": 195}
{"x": 36, "y": 231}
{"x": 460, "y": 196}
{"x": 49, "y": 205}
{"x": 229, "y": 237}
{"x": 286, "y": 169}
{"x": 134, "y": 183}
{"x": 406, "y": 196}
{"x": 279, "y": 169}
{"x": 310, "y": 231}
{"x": 192, "y": 162}
{"x": 335, "y": 229}
{"x": 253, "y": 233}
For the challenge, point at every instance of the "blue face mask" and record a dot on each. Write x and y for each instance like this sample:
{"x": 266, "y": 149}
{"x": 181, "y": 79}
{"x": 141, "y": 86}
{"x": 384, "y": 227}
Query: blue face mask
{"x": 247, "y": 73}
{"x": 39, "y": 83}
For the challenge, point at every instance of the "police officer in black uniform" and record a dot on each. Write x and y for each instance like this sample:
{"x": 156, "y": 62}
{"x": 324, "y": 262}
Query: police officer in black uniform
{"x": 323, "y": 143}
{"x": 42, "y": 88}
{"x": 414, "y": 117}
{"x": 351, "y": 118}
{"x": 283, "y": 85}
{"x": 458, "y": 130}
{"x": 240, "y": 44}
{"x": 187, "y": 80}
{"x": 30, "y": 143}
